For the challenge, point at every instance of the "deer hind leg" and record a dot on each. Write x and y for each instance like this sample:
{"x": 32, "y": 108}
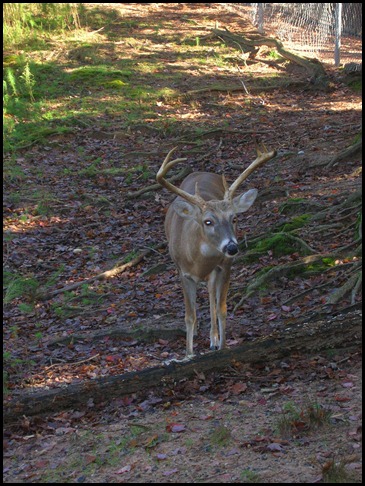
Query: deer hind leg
{"x": 189, "y": 289}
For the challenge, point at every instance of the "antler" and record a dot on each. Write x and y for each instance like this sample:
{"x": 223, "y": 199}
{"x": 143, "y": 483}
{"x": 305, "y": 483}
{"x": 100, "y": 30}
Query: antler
{"x": 262, "y": 156}
{"x": 196, "y": 199}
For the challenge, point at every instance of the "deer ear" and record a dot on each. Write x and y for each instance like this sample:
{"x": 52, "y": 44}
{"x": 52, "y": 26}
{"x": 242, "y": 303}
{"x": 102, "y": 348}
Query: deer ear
{"x": 185, "y": 209}
{"x": 243, "y": 202}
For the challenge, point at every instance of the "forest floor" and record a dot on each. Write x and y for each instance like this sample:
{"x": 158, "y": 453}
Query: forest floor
{"x": 131, "y": 87}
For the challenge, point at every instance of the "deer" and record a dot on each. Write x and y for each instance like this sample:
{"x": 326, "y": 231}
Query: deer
{"x": 200, "y": 227}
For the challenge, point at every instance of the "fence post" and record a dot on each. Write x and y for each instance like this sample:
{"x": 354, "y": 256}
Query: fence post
{"x": 260, "y": 17}
{"x": 338, "y": 30}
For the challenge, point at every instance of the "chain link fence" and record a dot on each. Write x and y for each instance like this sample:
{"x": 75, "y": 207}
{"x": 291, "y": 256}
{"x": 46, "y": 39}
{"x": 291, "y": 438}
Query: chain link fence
{"x": 332, "y": 32}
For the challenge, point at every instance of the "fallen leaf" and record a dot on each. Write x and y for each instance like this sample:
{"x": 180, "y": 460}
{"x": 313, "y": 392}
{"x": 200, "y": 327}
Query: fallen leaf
{"x": 161, "y": 457}
{"x": 238, "y": 388}
{"x": 124, "y": 469}
{"x": 169, "y": 473}
{"x": 174, "y": 428}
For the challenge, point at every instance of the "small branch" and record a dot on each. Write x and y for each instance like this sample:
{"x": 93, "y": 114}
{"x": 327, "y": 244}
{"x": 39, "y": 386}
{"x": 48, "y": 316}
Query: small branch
{"x": 73, "y": 364}
{"x": 119, "y": 268}
{"x": 95, "y": 31}
{"x": 234, "y": 89}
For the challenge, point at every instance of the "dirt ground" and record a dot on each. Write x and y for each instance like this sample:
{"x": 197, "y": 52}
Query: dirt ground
{"x": 297, "y": 420}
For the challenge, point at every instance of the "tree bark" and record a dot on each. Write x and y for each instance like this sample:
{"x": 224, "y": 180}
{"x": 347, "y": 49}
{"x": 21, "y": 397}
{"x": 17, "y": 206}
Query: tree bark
{"x": 343, "y": 330}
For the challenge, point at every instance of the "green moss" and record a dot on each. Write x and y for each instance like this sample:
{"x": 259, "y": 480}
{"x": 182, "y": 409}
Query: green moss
{"x": 356, "y": 84}
{"x": 290, "y": 204}
{"x": 116, "y": 83}
{"x": 98, "y": 75}
{"x": 296, "y": 222}
{"x": 279, "y": 243}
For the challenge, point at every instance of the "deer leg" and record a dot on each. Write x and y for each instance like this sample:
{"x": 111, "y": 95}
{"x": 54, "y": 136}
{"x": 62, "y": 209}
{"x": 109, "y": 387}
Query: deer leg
{"x": 213, "y": 310}
{"x": 221, "y": 287}
{"x": 189, "y": 289}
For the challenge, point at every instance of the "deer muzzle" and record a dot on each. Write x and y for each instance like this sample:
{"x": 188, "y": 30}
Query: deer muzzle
{"x": 231, "y": 249}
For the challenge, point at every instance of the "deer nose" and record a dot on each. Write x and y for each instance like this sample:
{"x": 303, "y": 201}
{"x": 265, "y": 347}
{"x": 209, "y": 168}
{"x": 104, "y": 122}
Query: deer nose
{"x": 231, "y": 248}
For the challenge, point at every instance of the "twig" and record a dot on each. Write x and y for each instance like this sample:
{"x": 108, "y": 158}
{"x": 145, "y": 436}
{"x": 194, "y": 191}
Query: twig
{"x": 73, "y": 364}
{"x": 95, "y": 31}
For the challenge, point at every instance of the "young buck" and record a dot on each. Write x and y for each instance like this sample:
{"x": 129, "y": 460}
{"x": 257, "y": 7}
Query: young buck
{"x": 200, "y": 228}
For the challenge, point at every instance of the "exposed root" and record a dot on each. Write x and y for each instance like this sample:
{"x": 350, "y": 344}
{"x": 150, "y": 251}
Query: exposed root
{"x": 275, "y": 273}
{"x": 351, "y": 285}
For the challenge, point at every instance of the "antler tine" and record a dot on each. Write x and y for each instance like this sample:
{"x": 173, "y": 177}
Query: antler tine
{"x": 262, "y": 156}
{"x": 165, "y": 167}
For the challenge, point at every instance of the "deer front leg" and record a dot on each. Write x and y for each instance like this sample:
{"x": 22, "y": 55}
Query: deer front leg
{"x": 222, "y": 276}
{"x": 212, "y": 288}
{"x": 189, "y": 289}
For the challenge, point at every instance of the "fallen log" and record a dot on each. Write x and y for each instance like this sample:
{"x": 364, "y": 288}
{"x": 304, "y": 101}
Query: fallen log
{"x": 312, "y": 66}
{"x": 343, "y": 330}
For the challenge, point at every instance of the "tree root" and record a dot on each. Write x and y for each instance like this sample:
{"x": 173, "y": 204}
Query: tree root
{"x": 275, "y": 273}
{"x": 346, "y": 205}
{"x": 347, "y": 153}
{"x": 353, "y": 283}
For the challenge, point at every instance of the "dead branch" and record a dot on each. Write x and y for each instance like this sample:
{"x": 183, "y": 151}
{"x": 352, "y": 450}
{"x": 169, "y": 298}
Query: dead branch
{"x": 116, "y": 270}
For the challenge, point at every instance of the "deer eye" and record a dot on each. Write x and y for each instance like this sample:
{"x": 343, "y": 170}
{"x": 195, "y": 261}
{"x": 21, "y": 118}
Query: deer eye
{"x": 208, "y": 222}
{"x": 234, "y": 220}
